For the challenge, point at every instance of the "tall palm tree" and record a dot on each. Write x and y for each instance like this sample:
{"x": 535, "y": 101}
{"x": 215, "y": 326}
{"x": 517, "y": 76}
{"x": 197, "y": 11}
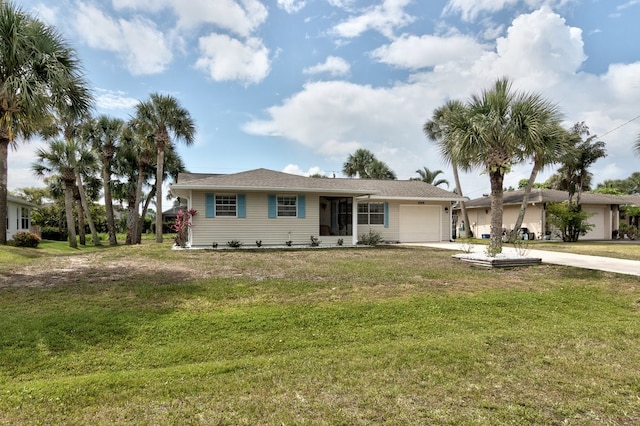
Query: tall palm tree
{"x": 440, "y": 129}
{"x": 502, "y": 127}
{"x": 542, "y": 118}
{"x": 58, "y": 159}
{"x": 104, "y": 133}
{"x": 161, "y": 119}
{"x": 636, "y": 146}
{"x": 363, "y": 164}
{"x": 38, "y": 73}
{"x": 430, "y": 177}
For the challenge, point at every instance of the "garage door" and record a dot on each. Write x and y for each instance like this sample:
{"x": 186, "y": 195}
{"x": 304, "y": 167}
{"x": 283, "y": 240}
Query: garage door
{"x": 598, "y": 219}
{"x": 419, "y": 223}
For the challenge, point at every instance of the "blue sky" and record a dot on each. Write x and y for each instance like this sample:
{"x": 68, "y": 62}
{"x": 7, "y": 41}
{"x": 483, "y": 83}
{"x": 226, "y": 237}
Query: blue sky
{"x": 297, "y": 85}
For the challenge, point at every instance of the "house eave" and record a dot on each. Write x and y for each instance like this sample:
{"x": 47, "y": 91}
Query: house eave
{"x": 278, "y": 189}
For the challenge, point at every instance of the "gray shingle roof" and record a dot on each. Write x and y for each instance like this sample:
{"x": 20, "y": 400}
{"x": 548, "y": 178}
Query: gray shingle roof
{"x": 269, "y": 180}
{"x": 539, "y": 195}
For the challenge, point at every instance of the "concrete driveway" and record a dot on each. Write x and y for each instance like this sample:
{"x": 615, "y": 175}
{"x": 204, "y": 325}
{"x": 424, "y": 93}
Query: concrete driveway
{"x": 599, "y": 263}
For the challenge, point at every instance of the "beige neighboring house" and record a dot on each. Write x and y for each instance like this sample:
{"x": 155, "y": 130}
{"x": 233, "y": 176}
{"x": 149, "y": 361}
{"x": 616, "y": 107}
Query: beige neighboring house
{"x": 275, "y": 207}
{"x": 18, "y": 215}
{"x": 604, "y": 209}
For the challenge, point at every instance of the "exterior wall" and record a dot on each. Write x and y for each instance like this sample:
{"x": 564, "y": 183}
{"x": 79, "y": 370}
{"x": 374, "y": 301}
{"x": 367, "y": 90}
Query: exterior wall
{"x": 603, "y": 218}
{"x": 14, "y": 216}
{"x": 256, "y": 225}
{"x": 276, "y": 231}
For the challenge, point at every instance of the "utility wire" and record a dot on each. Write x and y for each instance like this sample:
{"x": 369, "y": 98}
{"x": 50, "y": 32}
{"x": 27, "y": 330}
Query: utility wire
{"x": 616, "y": 128}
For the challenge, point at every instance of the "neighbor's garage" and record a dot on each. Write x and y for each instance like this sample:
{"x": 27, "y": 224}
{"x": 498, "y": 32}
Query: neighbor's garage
{"x": 597, "y": 218}
{"x": 420, "y": 223}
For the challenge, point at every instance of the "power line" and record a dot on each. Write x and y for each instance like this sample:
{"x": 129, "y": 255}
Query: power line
{"x": 622, "y": 125}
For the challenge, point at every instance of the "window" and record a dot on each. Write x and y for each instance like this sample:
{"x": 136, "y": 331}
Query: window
{"x": 287, "y": 206}
{"x": 371, "y": 214}
{"x": 226, "y": 205}
{"x": 24, "y": 217}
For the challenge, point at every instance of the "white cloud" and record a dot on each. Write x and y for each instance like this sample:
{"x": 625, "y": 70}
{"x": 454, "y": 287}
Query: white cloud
{"x": 291, "y": 6}
{"x": 114, "y": 100}
{"x": 470, "y": 9}
{"x": 415, "y": 52}
{"x": 294, "y": 169}
{"x": 334, "y": 65}
{"x": 240, "y": 17}
{"x": 20, "y": 160}
{"x": 142, "y": 47}
{"x": 225, "y": 58}
{"x": 46, "y": 13}
{"x": 384, "y": 18}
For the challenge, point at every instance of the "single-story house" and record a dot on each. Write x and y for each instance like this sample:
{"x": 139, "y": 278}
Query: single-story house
{"x": 275, "y": 207}
{"x": 604, "y": 209}
{"x": 18, "y": 215}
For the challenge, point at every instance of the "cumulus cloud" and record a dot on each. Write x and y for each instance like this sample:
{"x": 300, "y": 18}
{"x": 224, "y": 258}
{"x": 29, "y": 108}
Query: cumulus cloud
{"x": 384, "y": 18}
{"x": 294, "y": 169}
{"x": 143, "y": 48}
{"x": 469, "y": 10}
{"x": 334, "y": 65}
{"x": 114, "y": 100}
{"x": 240, "y": 17}
{"x": 46, "y": 13}
{"x": 225, "y": 58}
{"x": 415, "y": 52}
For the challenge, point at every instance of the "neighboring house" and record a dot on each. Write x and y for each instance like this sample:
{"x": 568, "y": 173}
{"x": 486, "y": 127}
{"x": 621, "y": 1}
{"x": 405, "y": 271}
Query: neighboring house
{"x": 276, "y": 207}
{"x": 604, "y": 209}
{"x": 18, "y": 215}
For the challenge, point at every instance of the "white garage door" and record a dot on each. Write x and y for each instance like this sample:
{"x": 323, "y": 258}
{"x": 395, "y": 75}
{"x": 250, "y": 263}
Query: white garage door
{"x": 419, "y": 223}
{"x": 598, "y": 219}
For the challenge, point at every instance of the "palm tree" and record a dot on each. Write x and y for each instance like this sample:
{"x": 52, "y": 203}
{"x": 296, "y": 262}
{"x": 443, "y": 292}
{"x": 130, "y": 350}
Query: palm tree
{"x": 430, "y": 177}
{"x": 636, "y": 146}
{"x": 440, "y": 129}
{"x": 502, "y": 127}
{"x": 38, "y": 73}
{"x": 542, "y": 118}
{"x": 161, "y": 119}
{"x": 105, "y": 133}
{"x": 363, "y": 164}
{"x": 58, "y": 159}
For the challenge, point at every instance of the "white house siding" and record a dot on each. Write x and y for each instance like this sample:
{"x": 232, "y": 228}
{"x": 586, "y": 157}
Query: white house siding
{"x": 257, "y": 225}
{"x": 14, "y": 216}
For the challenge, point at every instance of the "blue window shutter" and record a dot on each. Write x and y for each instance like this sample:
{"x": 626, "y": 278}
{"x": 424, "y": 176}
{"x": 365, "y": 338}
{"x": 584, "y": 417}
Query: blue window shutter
{"x": 302, "y": 208}
{"x": 386, "y": 215}
{"x": 242, "y": 206}
{"x": 273, "y": 206}
{"x": 210, "y": 205}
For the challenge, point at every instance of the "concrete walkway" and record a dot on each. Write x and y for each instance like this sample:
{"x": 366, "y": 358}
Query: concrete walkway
{"x": 599, "y": 263}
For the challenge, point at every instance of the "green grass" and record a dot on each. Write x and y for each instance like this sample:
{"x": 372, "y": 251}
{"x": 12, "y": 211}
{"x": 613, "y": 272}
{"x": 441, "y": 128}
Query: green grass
{"x": 147, "y": 335}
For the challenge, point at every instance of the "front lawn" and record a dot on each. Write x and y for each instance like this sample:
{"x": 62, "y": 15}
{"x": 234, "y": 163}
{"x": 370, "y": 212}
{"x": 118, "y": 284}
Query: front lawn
{"x": 147, "y": 335}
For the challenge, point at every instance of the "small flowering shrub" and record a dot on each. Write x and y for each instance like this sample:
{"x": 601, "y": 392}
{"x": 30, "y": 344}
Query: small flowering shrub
{"x": 26, "y": 239}
{"x": 182, "y": 225}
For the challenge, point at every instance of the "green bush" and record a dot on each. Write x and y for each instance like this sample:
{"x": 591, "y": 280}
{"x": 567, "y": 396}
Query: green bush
{"x": 26, "y": 239}
{"x": 53, "y": 234}
{"x": 373, "y": 238}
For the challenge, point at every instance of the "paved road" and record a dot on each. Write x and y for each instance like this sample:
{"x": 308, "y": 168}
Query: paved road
{"x": 608, "y": 264}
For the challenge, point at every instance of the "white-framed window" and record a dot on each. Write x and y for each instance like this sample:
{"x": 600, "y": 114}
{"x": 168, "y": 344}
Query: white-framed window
{"x": 371, "y": 214}
{"x": 287, "y": 206}
{"x": 24, "y": 218}
{"x": 226, "y": 205}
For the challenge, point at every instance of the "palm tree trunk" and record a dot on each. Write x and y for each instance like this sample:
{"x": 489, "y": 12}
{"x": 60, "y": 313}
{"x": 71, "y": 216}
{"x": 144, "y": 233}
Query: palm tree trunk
{"x": 159, "y": 179}
{"x": 525, "y": 202}
{"x": 465, "y": 215}
{"x": 495, "y": 242}
{"x": 145, "y": 208}
{"x": 87, "y": 212}
{"x": 68, "y": 208}
{"x": 135, "y": 218}
{"x": 108, "y": 203}
{"x": 81, "y": 232}
{"x": 4, "y": 157}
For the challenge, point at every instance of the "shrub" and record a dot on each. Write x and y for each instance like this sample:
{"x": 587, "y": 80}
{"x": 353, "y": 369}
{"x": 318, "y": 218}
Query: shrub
{"x": 570, "y": 220}
{"x": 373, "y": 238}
{"x": 26, "y": 239}
{"x": 234, "y": 243}
{"x": 53, "y": 234}
{"x": 340, "y": 241}
{"x": 315, "y": 242}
